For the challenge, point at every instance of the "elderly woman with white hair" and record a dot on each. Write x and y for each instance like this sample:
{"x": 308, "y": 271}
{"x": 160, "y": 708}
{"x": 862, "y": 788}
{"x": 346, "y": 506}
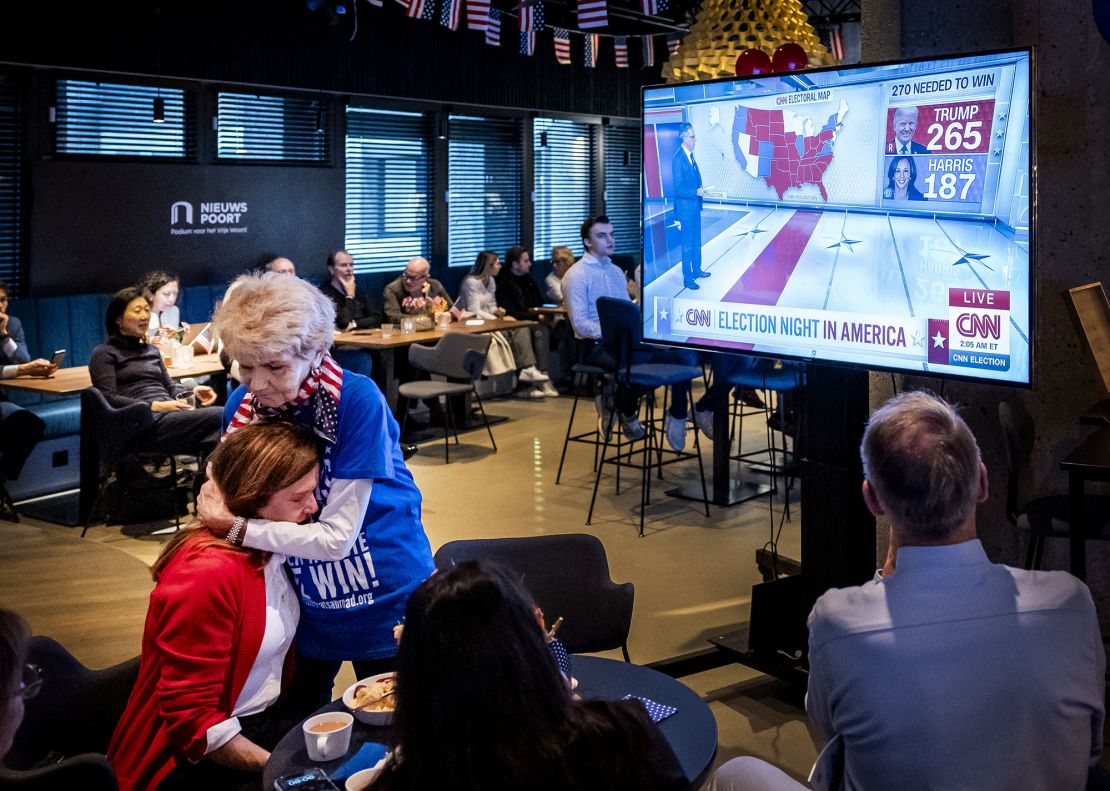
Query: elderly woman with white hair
{"x": 354, "y": 572}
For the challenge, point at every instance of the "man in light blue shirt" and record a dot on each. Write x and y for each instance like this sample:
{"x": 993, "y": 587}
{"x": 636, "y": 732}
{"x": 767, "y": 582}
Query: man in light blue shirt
{"x": 946, "y": 671}
{"x": 595, "y": 276}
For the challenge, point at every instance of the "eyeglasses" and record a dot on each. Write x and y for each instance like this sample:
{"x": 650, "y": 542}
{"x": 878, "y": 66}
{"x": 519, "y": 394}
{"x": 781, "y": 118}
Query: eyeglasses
{"x": 31, "y": 683}
{"x": 407, "y": 276}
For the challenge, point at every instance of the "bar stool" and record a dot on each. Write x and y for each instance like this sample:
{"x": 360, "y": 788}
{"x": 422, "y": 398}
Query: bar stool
{"x": 583, "y": 375}
{"x": 778, "y": 377}
{"x": 621, "y": 337}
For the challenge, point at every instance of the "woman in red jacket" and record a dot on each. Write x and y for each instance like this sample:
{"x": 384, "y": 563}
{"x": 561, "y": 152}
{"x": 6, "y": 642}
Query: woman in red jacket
{"x": 218, "y": 630}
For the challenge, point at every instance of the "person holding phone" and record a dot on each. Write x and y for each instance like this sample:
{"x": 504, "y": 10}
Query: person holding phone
{"x": 127, "y": 369}
{"x": 161, "y": 290}
{"x": 20, "y": 429}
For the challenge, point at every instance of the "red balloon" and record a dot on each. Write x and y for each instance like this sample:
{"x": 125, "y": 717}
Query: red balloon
{"x": 751, "y": 62}
{"x": 789, "y": 57}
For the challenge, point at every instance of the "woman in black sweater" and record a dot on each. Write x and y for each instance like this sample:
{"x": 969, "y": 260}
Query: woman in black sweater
{"x": 128, "y": 370}
{"x": 481, "y": 704}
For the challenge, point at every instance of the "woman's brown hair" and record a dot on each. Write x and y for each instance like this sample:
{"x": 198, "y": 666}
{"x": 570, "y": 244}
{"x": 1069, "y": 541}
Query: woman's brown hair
{"x": 250, "y": 466}
{"x": 483, "y": 266}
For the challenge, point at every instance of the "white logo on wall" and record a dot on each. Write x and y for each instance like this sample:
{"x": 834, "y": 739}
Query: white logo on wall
{"x": 213, "y": 218}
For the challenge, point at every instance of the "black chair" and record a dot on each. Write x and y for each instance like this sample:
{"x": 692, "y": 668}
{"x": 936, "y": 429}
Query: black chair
{"x": 88, "y": 772}
{"x": 1048, "y": 516}
{"x": 108, "y": 439}
{"x": 459, "y": 358}
{"x": 76, "y": 710}
{"x": 568, "y": 576}
{"x": 621, "y": 337}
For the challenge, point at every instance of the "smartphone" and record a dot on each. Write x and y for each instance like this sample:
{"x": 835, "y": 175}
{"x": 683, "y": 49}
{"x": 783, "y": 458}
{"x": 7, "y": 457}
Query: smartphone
{"x": 59, "y": 355}
{"x": 314, "y": 779}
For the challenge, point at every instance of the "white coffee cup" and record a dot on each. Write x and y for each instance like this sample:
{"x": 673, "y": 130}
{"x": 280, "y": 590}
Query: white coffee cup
{"x": 327, "y": 743}
{"x": 387, "y": 330}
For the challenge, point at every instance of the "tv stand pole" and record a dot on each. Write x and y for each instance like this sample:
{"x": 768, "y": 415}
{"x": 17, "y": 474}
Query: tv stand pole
{"x": 838, "y": 532}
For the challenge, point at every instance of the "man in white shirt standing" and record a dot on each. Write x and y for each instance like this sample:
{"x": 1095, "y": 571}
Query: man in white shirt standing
{"x": 946, "y": 670}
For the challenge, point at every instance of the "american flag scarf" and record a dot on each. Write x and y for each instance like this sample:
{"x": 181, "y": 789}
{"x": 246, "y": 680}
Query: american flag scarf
{"x": 316, "y": 404}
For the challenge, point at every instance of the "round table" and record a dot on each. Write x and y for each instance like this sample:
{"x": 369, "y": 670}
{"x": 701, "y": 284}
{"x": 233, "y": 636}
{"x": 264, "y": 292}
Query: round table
{"x": 691, "y": 731}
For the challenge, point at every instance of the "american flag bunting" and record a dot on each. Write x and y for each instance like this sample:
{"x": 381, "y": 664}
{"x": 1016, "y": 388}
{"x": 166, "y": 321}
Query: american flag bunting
{"x": 649, "y": 51}
{"x": 449, "y": 14}
{"x": 653, "y": 7}
{"x": 531, "y": 16}
{"x": 592, "y": 13}
{"x": 493, "y": 28}
{"x": 477, "y": 14}
{"x": 562, "y": 45}
{"x": 421, "y": 9}
{"x": 620, "y": 48}
{"x": 528, "y": 43}
{"x": 593, "y": 41}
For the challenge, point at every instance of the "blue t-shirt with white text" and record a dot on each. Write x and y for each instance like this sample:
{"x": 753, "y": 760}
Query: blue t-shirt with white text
{"x": 349, "y": 606}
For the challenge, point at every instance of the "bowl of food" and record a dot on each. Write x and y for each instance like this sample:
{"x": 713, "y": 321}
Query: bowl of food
{"x": 372, "y": 699}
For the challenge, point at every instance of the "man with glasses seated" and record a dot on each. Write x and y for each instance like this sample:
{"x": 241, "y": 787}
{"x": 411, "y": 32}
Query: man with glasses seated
{"x": 411, "y": 283}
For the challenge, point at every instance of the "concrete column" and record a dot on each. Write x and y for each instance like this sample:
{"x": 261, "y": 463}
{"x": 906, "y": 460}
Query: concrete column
{"x": 1072, "y": 122}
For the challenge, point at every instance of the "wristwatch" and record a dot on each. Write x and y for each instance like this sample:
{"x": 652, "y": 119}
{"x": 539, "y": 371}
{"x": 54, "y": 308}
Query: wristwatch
{"x": 235, "y": 534}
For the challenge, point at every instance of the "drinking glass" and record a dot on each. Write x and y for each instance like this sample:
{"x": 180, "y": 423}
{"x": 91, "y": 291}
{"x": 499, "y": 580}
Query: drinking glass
{"x": 408, "y": 324}
{"x": 387, "y": 330}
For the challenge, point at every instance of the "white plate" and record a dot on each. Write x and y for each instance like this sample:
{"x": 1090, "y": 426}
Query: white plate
{"x": 368, "y": 717}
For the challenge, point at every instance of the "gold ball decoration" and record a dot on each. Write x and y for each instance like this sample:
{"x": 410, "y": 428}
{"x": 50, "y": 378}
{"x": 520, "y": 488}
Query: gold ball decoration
{"x": 724, "y": 28}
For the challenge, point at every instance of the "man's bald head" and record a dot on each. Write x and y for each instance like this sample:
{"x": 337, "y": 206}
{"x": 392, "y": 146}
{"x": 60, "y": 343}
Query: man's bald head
{"x": 283, "y": 266}
{"x": 416, "y": 274}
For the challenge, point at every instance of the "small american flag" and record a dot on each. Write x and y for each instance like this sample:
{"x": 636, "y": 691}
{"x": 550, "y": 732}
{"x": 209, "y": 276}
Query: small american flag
{"x": 449, "y": 14}
{"x": 562, "y": 45}
{"x": 620, "y": 47}
{"x": 592, "y": 13}
{"x": 673, "y": 42}
{"x": 493, "y": 28}
{"x": 421, "y": 9}
{"x": 836, "y": 42}
{"x": 531, "y": 15}
{"x": 653, "y": 7}
{"x": 477, "y": 14}
{"x": 593, "y": 41}
{"x": 649, "y": 51}
{"x": 528, "y": 43}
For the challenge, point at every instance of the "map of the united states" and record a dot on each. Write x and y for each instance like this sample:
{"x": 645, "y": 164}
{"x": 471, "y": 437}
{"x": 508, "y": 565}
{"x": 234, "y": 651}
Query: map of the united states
{"x": 783, "y": 148}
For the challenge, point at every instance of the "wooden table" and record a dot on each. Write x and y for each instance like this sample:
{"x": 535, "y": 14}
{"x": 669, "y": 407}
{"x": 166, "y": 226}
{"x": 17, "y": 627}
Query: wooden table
{"x": 68, "y": 381}
{"x": 1090, "y": 461}
{"x": 384, "y": 371}
{"x": 548, "y": 310}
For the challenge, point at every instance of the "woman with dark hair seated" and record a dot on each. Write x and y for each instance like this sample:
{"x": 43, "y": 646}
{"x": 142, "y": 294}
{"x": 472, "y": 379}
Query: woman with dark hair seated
{"x": 219, "y": 628}
{"x": 161, "y": 290}
{"x": 482, "y": 705}
{"x": 19, "y": 682}
{"x": 128, "y": 370}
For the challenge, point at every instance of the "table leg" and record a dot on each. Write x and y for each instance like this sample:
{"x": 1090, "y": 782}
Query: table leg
{"x": 1077, "y": 521}
{"x": 384, "y": 374}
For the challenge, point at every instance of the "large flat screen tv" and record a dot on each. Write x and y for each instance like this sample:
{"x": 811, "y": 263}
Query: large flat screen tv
{"x": 879, "y": 216}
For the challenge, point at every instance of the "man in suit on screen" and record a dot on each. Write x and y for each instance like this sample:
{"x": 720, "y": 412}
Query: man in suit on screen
{"x": 688, "y": 195}
{"x": 905, "y": 125}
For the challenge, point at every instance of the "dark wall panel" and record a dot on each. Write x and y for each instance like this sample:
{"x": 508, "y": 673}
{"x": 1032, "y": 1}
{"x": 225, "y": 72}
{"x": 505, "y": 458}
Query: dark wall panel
{"x": 98, "y": 226}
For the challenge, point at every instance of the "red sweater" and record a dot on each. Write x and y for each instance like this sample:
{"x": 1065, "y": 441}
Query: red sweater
{"x": 203, "y": 630}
